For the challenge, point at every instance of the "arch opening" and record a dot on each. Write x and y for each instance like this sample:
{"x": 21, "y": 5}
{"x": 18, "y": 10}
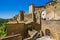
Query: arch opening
{"x": 47, "y": 32}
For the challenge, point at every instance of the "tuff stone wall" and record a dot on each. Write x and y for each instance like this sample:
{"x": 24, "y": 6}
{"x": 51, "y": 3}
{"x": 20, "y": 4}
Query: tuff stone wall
{"x": 53, "y": 12}
{"x": 53, "y": 26}
{"x": 17, "y": 28}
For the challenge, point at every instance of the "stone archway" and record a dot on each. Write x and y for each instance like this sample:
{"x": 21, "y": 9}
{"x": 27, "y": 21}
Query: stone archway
{"x": 47, "y": 32}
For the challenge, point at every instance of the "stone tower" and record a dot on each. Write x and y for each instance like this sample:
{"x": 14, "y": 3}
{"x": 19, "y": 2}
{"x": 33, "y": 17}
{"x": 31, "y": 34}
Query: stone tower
{"x": 20, "y": 16}
{"x": 31, "y": 8}
{"x": 32, "y": 11}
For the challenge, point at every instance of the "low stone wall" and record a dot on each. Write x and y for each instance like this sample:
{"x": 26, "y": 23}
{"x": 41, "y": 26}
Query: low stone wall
{"x": 17, "y": 28}
{"x": 21, "y": 28}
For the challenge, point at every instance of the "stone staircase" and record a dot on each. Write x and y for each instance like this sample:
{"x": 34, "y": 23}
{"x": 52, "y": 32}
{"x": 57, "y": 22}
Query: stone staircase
{"x": 33, "y": 35}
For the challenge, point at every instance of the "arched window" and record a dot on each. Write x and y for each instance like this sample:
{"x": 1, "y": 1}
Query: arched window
{"x": 43, "y": 15}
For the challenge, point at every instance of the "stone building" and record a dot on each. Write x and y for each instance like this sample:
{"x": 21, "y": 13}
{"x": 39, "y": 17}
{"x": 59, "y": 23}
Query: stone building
{"x": 45, "y": 18}
{"x": 51, "y": 12}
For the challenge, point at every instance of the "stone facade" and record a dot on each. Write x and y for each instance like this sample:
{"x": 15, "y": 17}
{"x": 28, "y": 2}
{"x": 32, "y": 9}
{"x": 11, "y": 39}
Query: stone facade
{"x": 53, "y": 27}
{"x": 17, "y": 28}
{"x": 53, "y": 12}
{"x": 51, "y": 24}
{"x": 44, "y": 18}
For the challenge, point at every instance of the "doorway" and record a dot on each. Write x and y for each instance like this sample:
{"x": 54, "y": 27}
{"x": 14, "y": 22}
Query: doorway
{"x": 47, "y": 32}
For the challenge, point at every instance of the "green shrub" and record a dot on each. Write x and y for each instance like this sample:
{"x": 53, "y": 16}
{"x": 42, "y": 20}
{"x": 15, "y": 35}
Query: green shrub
{"x": 2, "y": 30}
{"x": 2, "y": 27}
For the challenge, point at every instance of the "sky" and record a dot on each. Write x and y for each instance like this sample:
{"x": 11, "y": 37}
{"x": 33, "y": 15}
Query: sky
{"x": 9, "y": 8}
